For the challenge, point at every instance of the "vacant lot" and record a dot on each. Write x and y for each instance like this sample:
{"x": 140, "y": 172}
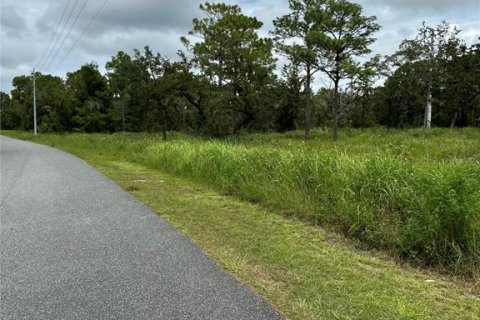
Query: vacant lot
{"x": 415, "y": 197}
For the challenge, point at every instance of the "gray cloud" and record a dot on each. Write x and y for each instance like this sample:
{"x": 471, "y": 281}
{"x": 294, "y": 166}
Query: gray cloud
{"x": 17, "y": 52}
{"x": 150, "y": 14}
{"x": 11, "y": 22}
{"x": 7, "y": 75}
{"x": 122, "y": 15}
{"x": 430, "y": 5}
{"x": 27, "y": 25}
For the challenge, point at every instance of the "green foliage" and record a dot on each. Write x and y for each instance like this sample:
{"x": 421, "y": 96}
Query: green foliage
{"x": 404, "y": 97}
{"x": 9, "y": 117}
{"x": 416, "y": 197}
{"x": 360, "y": 103}
{"x": 54, "y": 109}
{"x": 232, "y": 55}
{"x": 54, "y": 104}
{"x": 21, "y": 104}
{"x": 290, "y": 99}
{"x": 333, "y": 33}
{"x": 91, "y": 99}
{"x": 455, "y": 92}
{"x": 432, "y": 47}
{"x": 126, "y": 78}
{"x": 228, "y": 86}
{"x": 231, "y": 50}
{"x": 300, "y": 25}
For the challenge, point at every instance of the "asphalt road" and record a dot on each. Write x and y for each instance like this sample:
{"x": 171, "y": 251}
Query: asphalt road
{"x": 73, "y": 245}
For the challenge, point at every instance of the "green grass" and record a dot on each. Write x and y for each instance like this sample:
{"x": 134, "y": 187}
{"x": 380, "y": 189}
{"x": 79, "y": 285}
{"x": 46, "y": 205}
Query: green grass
{"x": 439, "y": 145}
{"x": 414, "y": 196}
{"x": 307, "y": 272}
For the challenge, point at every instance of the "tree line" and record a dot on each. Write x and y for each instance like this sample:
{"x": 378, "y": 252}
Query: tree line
{"x": 225, "y": 81}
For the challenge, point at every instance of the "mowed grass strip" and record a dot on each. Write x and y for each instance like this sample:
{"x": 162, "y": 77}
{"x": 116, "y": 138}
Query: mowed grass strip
{"x": 303, "y": 270}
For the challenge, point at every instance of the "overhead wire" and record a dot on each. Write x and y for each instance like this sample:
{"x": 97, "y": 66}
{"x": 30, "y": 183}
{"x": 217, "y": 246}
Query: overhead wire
{"x": 52, "y": 49}
{"x": 92, "y": 20}
{"x": 68, "y": 33}
{"x": 44, "y": 55}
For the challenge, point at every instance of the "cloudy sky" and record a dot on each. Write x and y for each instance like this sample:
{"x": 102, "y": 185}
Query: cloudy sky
{"x": 28, "y": 26}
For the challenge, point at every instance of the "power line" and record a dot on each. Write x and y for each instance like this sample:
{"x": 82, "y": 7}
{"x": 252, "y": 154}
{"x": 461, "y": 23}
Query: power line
{"x": 82, "y": 33}
{"x": 49, "y": 58}
{"x": 44, "y": 55}
{"x": 69, "y": 31}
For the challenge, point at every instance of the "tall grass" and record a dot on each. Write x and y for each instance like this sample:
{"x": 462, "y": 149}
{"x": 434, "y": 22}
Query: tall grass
{"x": 425, "y": 212}
{"x": 416, "y": 197}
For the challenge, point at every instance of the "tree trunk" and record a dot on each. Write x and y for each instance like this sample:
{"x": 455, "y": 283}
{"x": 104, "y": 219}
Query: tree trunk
{"x": 164, "y": 123}
{"x": 220, "y": 80}
{"x": 164, "y": 129}
{"x": 123, "y": 116}
{"x": 452, "y": 125}
{"x": 428, "y": 111}
{"x": 248, "y": 118}
{"x": 308, "y": 107}
{"x": 336, "y": 106}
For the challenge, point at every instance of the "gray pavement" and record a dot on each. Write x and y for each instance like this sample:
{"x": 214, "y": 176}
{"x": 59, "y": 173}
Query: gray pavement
{"x": 73, "y": 245}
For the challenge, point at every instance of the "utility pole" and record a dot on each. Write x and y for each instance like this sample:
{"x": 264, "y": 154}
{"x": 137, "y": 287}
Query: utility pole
{"x": 34, "y": 105}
